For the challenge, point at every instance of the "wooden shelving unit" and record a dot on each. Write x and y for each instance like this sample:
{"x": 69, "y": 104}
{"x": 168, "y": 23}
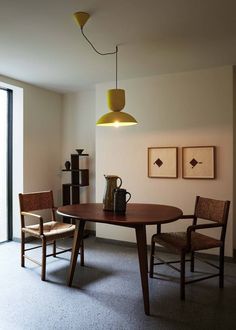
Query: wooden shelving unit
{"x": 79, "y": 178}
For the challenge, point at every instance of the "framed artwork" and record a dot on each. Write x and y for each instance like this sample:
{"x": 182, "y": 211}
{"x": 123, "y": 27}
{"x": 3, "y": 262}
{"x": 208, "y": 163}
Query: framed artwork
{"x": 162, "y": 162}
{"x": 198, "y": 162}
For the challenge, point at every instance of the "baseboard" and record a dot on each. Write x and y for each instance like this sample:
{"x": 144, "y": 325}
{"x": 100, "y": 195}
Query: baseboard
{"x": 164, "y": 250}
{"x": 89, "y": 232}
{"x": 29, "y": 239}
{"x": 201, "y": 255}
{"x": 116, "y": 242}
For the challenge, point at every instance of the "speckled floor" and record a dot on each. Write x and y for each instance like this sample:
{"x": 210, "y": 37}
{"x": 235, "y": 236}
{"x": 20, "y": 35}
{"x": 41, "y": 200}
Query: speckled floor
{"x": 106, "y": 294}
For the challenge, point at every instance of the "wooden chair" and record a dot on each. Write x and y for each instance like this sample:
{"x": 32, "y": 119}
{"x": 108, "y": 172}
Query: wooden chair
{"x": 190, "y": 241}
{"x": 48, "y": 231}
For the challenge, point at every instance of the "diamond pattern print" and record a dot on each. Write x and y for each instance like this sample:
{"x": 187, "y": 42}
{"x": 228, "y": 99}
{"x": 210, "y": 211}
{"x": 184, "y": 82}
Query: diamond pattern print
{"x": 158, "y": 162}
{"x": 193, "y": 162}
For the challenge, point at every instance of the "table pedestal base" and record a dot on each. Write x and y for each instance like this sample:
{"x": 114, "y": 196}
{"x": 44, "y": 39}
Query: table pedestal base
{"x": 142, "y": 255}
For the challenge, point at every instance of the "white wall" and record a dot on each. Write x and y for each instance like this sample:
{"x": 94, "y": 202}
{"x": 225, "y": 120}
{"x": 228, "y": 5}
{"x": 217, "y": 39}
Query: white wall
{"x": 39, "y": 128}
{"x": 79, "y": 133}
{"x": 185, "y": 109}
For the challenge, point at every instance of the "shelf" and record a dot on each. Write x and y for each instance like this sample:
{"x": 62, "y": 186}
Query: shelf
{"x": 80, "y": 170}
{"x": 79, "y": 179}
{"x": 75, "y": 185}
{"x": 80, "y": 154}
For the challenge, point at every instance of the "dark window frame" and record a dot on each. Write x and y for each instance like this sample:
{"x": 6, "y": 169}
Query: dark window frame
{"x": 9, "y": 162}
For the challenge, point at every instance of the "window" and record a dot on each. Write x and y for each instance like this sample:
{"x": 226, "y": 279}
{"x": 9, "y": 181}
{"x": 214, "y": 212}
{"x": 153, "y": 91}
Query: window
{"x": 5, "y": 164}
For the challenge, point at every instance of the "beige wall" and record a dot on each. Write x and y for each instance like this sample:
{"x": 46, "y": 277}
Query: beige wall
{"x": 41, "y": 142}
{"x": 79, "y": 133}
{"x": 185, "y": 109}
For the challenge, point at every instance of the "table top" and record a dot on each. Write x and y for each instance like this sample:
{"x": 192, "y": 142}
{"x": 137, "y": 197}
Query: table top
{"x": 136, "y": 214}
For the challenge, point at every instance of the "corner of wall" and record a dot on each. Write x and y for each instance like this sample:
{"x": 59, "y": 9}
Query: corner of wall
{"x": 234, "y": 155}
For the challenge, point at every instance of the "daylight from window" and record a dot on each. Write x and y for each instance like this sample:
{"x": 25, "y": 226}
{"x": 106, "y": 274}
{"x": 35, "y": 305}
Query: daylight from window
{"x": 3, "y": 165}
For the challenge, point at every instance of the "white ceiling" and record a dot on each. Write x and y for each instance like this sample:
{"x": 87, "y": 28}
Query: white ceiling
{"x": 42, "y": 45}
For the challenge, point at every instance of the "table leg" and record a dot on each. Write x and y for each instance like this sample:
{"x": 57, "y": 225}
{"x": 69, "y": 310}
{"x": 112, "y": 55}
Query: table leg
{"x": 78, "y": 236}
{"x": 143, "y": 264}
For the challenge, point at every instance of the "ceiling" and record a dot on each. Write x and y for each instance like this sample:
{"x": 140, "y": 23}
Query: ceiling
{"x": 42, "y": 45}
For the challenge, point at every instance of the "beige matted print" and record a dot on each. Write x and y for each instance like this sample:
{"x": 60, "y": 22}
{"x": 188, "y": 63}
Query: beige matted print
{"x": 198, "y": 162}
{"x": 162, "y": 162}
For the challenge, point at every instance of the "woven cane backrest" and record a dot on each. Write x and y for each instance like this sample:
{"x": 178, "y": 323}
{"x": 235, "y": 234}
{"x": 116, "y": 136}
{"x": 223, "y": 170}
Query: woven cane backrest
{"x": 36, "y": 201}
{"x": 212, "y": 209}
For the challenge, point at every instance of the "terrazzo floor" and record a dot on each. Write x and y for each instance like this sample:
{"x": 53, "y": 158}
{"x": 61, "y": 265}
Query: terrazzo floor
{"x": 106, "y": 294}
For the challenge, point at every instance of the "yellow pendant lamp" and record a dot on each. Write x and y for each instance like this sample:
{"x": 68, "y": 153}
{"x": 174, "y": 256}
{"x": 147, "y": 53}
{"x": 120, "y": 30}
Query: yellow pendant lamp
{"x": 115, "y": 97}
{"x": 116, "y": 102}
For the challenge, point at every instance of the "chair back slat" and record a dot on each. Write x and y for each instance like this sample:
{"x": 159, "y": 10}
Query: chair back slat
{"x": 36, "y": 201}
{"x": 212, "y": 209}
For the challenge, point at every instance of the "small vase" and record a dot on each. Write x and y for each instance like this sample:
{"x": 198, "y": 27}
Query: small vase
{"x": 67, "y": 165}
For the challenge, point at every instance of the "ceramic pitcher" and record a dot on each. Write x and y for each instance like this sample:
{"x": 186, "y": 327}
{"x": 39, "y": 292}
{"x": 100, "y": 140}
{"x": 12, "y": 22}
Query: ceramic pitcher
{"x": 112, "y": 182}
{"x": 120, "y": 200}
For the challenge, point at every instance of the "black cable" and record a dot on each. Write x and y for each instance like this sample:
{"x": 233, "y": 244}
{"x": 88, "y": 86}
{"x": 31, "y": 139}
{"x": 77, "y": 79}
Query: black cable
{"x": 109, "y": 53}
{"x": 116, "y": 64}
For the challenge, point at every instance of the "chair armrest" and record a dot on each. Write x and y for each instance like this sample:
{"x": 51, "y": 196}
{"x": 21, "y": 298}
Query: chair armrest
{"x": 31, "y": 214}
{"x": 35, "y": 216}
{"x": 202, "y": 226}
{"x": 187, "y": 216}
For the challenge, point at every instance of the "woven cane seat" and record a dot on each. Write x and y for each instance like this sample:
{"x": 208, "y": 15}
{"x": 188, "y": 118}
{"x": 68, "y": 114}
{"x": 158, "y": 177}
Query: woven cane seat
{"x": 178, "y": 241}
{"x": 50, "y": 228}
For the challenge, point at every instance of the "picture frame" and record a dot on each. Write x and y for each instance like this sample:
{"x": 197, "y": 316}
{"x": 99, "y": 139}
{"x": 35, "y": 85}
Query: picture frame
{"x": 162, "y": 162}
{"x": 198, "y": 162}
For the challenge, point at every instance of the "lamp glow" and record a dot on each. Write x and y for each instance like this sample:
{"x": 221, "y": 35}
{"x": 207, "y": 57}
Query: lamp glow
{"x": 116, "y": 118}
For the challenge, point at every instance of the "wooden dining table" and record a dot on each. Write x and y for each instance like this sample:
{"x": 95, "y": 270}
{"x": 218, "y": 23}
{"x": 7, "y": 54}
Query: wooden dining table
{"x": 137, "y": 216}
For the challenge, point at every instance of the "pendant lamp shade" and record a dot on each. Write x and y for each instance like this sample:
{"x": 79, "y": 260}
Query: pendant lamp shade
{"x": 116, "y": 102}
{"x": 116, "y": 118}
{"x": 116, "y": 99}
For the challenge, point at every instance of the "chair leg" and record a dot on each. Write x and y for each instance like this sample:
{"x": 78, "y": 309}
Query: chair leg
{"x": 182, "y": 276}
{"x": 152, "y": 258}
{"x": 82, "y": 253}
{"x": 54, "y": 248}
{"x": 22, "y": 249}
{"x": 44, "y": 252}
{"x": 192, "y": 262}
{"x": 221, "y": 266}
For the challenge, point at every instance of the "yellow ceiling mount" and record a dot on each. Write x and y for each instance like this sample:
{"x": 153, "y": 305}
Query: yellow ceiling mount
{"x": 81, "y": 18}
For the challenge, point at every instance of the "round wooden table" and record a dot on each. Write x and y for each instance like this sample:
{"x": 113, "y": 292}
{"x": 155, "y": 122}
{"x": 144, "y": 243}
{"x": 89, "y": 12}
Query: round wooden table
{"x": 137, "y": 216}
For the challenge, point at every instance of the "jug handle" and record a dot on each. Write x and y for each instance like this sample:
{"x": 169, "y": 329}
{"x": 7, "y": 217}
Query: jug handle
{"x": 120, "y": 182}
{"x": 127, "y": 193}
